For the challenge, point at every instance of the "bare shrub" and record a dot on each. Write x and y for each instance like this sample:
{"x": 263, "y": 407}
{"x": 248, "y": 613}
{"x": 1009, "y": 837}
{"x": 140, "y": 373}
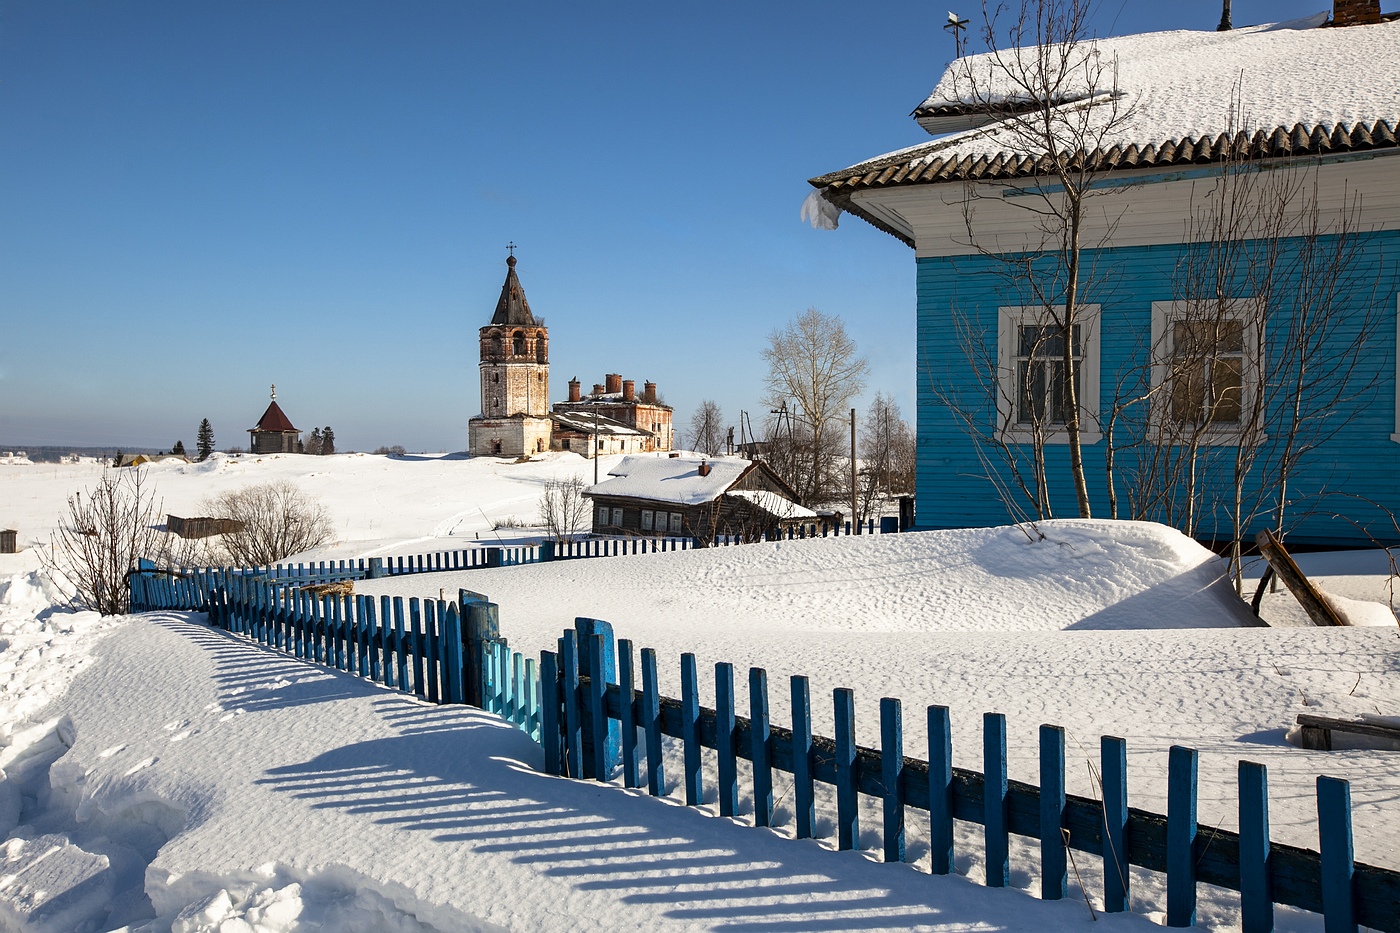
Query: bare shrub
{"x": 279, "y": 520}
{"x": 102, "y": 537}
{"x": 563, "y": 510}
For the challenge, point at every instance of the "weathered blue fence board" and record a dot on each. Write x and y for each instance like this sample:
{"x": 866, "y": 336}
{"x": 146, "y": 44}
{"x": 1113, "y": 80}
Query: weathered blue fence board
{"x": 759, "y": 753}
{"x": 1114, "y": 773}
{"x": 892, "y": 774}
{"x": 1054, "y": 872}
{"x": 1256, "y": 896}
{"x": 1181, "y": 836}
{"x": 994, "y": 799}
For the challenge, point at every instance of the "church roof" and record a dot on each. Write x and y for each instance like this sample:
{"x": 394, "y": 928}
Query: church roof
{"x": 273, "y": 420}
{"x": 512, "y": 308}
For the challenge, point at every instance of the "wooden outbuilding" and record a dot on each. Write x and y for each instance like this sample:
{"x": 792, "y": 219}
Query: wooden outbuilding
{"x": 274, "y": 433}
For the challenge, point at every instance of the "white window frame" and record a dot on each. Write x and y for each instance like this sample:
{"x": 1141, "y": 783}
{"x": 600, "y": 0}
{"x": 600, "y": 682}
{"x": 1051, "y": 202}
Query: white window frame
{"x": 617, "y": 517}
{"x": 602, "y": 516}
{"x": 646, "y": 519}
{"x": 1164, "y": 313}
{"x": 1009, "y": 322}
{"x": 676, "y": 523}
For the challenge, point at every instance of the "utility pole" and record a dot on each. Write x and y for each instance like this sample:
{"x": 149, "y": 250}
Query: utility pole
{"x": 855, "y": 522}
{"x": 595, "y": 446}
{"x": 1225, "y": 25}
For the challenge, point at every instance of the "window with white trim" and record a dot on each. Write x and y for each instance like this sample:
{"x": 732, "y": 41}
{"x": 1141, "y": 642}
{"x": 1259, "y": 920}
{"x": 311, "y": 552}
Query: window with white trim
{"x": 602, "y": 515}
{"x": 646, "y": 519}
{"x": 1207, "y": 358}
{"x": 617, "y": 517}
{"x": 675, "y": 523}
{"x": 1033, "y": 383}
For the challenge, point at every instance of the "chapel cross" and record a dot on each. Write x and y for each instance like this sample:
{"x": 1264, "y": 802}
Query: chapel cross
{"x": 511, "y": 246}
{"x": 274, "y": 391}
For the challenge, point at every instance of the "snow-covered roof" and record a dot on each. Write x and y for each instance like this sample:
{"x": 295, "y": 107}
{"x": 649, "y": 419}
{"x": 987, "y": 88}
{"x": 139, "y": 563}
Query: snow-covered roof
{"x": 672, "y": 479}
{"x": 1165, "y": 98}
{"x": 774, "y": 504}
{"x": 589, "y": 424}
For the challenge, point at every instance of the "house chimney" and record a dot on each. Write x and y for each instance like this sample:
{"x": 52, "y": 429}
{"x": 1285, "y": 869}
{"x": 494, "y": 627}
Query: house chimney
{"x": 629, "y": 390}
{"x": 597, "y": 388}
{"x": 649, "y": 392}
{"x": 614, "y": 383}
{"x": 703, "y": 469}
{"x": 574, "y": 389}
{"x": 1356, "y": 12}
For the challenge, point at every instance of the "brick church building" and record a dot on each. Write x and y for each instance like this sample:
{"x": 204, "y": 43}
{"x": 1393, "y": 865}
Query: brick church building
{"x": 516, "y": 418}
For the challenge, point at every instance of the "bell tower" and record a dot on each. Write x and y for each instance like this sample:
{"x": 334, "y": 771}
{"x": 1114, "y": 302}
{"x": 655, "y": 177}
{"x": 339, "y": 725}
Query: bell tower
{"x": 514, "y": 369}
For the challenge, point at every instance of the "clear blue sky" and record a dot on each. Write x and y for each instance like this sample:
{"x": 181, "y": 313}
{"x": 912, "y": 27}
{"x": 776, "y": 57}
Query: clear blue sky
{"x": 198, "y": 199}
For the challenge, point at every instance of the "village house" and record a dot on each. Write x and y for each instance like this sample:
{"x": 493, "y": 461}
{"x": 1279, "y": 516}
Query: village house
{"x": 516, "y": 419}
{"x": 696, "y": 497}
{"x": 274, "y": 433}
{"x": 1233, "y": 346}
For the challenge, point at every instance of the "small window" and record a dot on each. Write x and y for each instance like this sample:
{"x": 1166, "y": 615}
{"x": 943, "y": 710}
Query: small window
{"x": 519, "y": 348}
{"x": 1208, "y": 360}
{"x": 675, "y": 523}
{"x": 1033, "y": 388}
{"x": 603, "y": 516}
{"x": 495, "y": 377}
{"x": 646, "y": 519}
{"x": 617, "y": 517}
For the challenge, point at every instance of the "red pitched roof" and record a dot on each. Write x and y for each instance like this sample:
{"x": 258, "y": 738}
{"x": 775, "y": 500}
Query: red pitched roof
{"x": 273, "y": 420}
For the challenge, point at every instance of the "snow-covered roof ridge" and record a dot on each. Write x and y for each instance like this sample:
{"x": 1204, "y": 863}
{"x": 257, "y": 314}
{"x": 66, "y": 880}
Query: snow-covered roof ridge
{"x": 1179, "y": 96}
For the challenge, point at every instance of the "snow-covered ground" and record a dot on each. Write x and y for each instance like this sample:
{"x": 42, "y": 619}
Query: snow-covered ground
{"x": 165, "y": 776}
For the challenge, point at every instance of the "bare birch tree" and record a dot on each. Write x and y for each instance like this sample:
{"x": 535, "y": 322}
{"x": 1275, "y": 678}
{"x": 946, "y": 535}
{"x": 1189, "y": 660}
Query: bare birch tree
{"x": 563, "y": 509}
{"x": 813, "y": 364}
{"x": 707, "y": 429}
{"x": 1054, "y": 98}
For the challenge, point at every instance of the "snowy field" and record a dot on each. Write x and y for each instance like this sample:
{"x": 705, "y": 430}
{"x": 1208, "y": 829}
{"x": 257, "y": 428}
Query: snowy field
{"x": 160, "y": 775}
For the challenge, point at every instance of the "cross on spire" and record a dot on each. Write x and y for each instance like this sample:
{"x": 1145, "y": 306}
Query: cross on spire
{"x": 511, "y": 246}
{"x": 274, "y": 391}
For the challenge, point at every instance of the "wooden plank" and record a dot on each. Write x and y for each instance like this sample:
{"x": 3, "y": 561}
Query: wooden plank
{"x": 690, "y": 729}
{"x": 759, "y": 733}
{"x": 1256, "y": 896}
{"x": 598, "y": 721}
{"x": 1335, "y": 845}
{"x": 416, "y": 646}
{"x": 892, "y": 773}
{"x": 847, "y": 770}
{"x": 804, "y": 798}
{"x": 1357, "y": 727}
{"x": 1054, "y": 872}
{"x": 1113, "y": 753}
{"x": 431, "y": 646}
{"x": 402, "y": 649}
{"x": 994, "y": 803}
{"x": 573, "y": 737}
{"x": 651, "y": 723}
{"x": 550, "y": 731}
{"x": 1309, "y": 597}
{"x": 626, "y": 681}
{"x": 940, "y": 790}
{"x": 724, "y": 739}
{"x": 1181, "y": 836}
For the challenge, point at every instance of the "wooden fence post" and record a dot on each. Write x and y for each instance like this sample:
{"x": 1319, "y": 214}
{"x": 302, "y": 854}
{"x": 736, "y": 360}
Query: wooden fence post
{"x": 1256, "y": 894}
{"x": 1181, "y": 836}
{"x": 940, "y": 790}
{"x": 607, "y": 666}
{"x": 651, "y": 722}
{"x": 994, "y": 799}
{"x": 481, "y": 627}
{"x": 1335, "y": 846}
{"x": 725, "y": 752}
{"x": 804, "y": 801}
{"x": 627, "y": 687}
{"x": 1114, "y": 770}
{"x": 847, "y": 780}
{"x": 690, "y": 729}
{"x": 551, "y": 732}
{"x": 1054, "y": 872}
{"x": 452, "y": 635}
{"x": 573, "y": 738}
{"x": 759, "y": 753}
{"x": 415, "y": 623}
{"x": 596, "y": 710}
{"x": 892, "y": 767}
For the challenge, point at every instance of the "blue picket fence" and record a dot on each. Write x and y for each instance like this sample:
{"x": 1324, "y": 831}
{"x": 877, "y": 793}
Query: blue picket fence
{"x": 594, "y": 721}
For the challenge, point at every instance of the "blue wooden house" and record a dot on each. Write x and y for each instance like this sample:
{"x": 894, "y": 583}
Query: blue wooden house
{"x": 1223, "y": 339}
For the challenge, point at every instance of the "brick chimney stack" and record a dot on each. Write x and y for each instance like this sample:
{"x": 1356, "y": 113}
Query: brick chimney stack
{"x": 1356, "y": 12}
{"x": 597, "y": 388}
{"x": 574, "y": 389}
{"x": 614, "y": 381}
{"x": 703, "y": 469}
{"x": 649, "y": 392}
{"x": 629, "y": 390}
